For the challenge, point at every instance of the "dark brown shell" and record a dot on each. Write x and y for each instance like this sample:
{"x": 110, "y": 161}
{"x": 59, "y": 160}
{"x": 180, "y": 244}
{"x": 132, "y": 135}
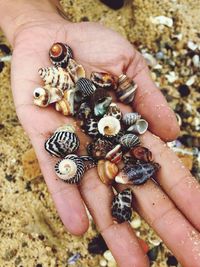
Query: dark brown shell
{"x": 99, "y": 148}
{"x": 141, "y": 153}
{"x": 126, "y": 89}
{"x": 60, "y": 54}
{"x": 103, "y": 80}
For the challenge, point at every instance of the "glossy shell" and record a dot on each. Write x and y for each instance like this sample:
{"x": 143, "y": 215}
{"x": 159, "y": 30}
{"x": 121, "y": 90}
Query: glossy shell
{"x": 100, "y": 101}
{"x": 60, "y": 54}
{"x": 84, "y": 111}
{"x": 137, "y": 173}
{"x": 46, "y": 95}
{"x": 103, "y": 80}
{"x": 115, "y": 154}
{"x": 109, "y": 126}
{"x": 129, "y": 140}
{"x": 141, "y": 153}
{"x": 100, "y": 148}
{"x": 75, "y": 70}
{"x": 107, "y": 171}
{"x": 85, "y": 87}
{"x": 70, "y": 169}
{"x": 130, "y": 118}
{"x": 91, "y": 127}
{"x": 62, "y": 143}
{"x": 66, "y": 105}
{"x": 114, "y": 111}
{"x": 126, "y": 89}
{"x": 56, "y": 77}
{"x": 121, "y": 206}
{"x": 140, "y": 127}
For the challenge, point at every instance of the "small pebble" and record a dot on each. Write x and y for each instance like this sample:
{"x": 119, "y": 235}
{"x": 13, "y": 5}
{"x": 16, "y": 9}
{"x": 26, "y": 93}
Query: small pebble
{"x": 136, "y": 223}
{"x": 97, "y": 245}
{"x": 1, "y": 66}
{"x": 73, "y": 259}
{"x": 191, "y": 80}
{"x": 172, "y": 261}
{"x": 160, "y": 55}
{"x": 103, "y": 263}
{"x": 108, "y": 256}
{"x": 162, "y": 20}
{"x": 196, "y": 61}
{"x": 5, "y": 49}
{"x": 153, "y": 253}
{"x": 192, "y": 45}
{"x": 184, "y": 90}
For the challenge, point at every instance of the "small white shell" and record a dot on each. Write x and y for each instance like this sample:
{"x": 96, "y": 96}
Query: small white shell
{"x": 139, "y": 127}
{"x": 109, "y": 126}
{"x": 66, "y": 169}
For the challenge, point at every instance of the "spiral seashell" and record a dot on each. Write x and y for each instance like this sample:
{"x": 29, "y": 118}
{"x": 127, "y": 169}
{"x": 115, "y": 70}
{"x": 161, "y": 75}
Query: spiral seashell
{"x": 41, "y": 97}
{"x": 107, "y": 171}
{"x": 126, "y": 89}
{"x": 130, "y": 118}
{"x": 103, "y": 80}
{"x": 56, "y": 77}
{"x": 129, "y": 140}
{"x": 75, "y": 70}
{"x": 114, "y": 111}
{"x": 60, "y": 54}
{"x": 66, "y": 105}
{"x": 70, "y": 169}
{"x": 99, "y": 148}
{"x": 85, "y": 87}
{"x": 141, "y": 153}
{"x": 100, "y": 101}
{"x": 84, "y": 111}
{"x": 62, "y": 143}
{"x": 115, "y": 154}
{"x": 137, "y": 173}
{"x": 91, "y": 127}
{"x": 140, "y": 127}
{"x": 121, "y": 206}
{"x": 109, "y": 126}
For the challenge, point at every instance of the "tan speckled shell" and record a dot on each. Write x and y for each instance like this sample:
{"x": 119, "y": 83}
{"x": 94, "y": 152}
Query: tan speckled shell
{"x": 107, "y": 171}
{"x": 75, "y": 70}
{"x": 66, "y": 105}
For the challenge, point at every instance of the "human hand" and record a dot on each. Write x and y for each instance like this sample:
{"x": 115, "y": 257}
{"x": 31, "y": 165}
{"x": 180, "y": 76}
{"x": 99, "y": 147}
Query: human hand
{"x": 100, "y": 49}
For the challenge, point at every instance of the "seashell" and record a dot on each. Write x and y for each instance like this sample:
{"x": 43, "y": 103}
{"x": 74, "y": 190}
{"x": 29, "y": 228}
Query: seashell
{"x": 85, "y": 87}
{"x": 116, "y": 139}
{"x": 66, "y": 127}
{"x": 129, "y": 140}
{"x": 126, "y": 89}
{"x": 100, "y": 101}
{"x": 130, "y": 118}
{"x": 91, "y": 127}
{"x": 103, "y": 80}
{"x": 46, "y": 95}
{"x": 62, "y": 143}
{"x": 84, "y": 111}
{"x": 129, "y": 160}
{"x": 89, "y": 162}
{"x": 137, "y": 173}
{"x": 60, "y": 54}
{"x": 114, "y": 111}
{"x": 141, "y": 153}
{"x": 139, "y": 127}
{"x": 115, "y": 154}
{"x": 109, "y": 126}
{"x": 75, "y": 70}
{"x": 66, "y": 105}
{"x": 107, "y": 171}
{"x": 56, "y": 77}
{"x": 70, "y": 169}
{"x": 121, "y": 206}
{"x": 100, "y": 148}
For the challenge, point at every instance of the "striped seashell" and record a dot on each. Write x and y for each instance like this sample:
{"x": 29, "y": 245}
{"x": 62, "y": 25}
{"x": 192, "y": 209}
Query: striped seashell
{"x": 60, "y": 54}
{"x": 46, "y": 95}
{"x": 62, "y": 143}
{"x": 115, "y": 154}
{"x": 109, "y": 126}
{"x": 66, "y": 104}
{"x": 130, "y": 118}
{"x": 121, "y": 206}
{"x": 70, "y": 169}
{"x": 140, "y": 127}
{"x": 129, "y": 140}
{"x": 107, "y": 171}
{"x": 141, "y": 153}
{"x": 56, "y": 77}
{"x": 126, "y": 89}
{"x": 100, "y": 101}
{"x": 91, "y": 127}
{"x": 103, "y": 80}
{"x": 114, "y": 111}
{"x": 99, "y": 148}
{"x": 85, "y": 87}
{"x": 137, "y": 173}
{"x": 75, "y": 70}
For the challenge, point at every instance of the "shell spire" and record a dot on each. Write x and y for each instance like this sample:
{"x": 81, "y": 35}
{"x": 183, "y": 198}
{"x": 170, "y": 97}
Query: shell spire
{"x": 60, "y": 54}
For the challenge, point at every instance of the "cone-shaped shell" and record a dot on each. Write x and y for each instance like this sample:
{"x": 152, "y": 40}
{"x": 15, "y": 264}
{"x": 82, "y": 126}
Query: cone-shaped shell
{"x": 109, "y": 126}
{"x": 115, "y": 154}
{"x": 130, "y": 118}
{"x": 41, "y": 97}
{"x": 114, "y": 111}
{"x": 85, "y": 87}
{"x": 129, "y": 140}
{"x": 121, "y": 206}
{"x": 75, "y": 70}
{"x": 141, "y": 153}
{"x": 62, "y": 143}
{"x": 66, "y": 105}
{"x": 100, "y": 148}
{"x": 56, "y": 77}
{"x": 126, "y": 89}
{"x": 103, "y": 80}
{"x": 107, "y": 171}
{"x": 60, "y": 54}
{"x": 140, "y": 127}
{"x": 70, "y": 169}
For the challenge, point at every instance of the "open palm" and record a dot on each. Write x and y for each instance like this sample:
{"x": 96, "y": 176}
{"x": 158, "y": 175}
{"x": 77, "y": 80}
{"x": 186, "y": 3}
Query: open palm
{"x": 166, "y": 207}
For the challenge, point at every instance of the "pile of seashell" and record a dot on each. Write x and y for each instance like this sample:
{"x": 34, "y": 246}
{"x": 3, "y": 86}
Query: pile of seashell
{"x": 115, "y": 148}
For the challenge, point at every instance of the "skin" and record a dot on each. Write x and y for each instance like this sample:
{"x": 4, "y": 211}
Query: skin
{"x": 166, "y": 206}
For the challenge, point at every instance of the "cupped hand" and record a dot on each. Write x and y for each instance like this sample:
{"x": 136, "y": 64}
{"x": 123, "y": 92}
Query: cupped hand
{"x": 171, "y": 206}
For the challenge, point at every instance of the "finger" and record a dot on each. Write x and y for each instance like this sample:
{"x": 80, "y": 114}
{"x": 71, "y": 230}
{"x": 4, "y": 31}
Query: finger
{"x": 120, "y": 238}
{"x": 175, "y": 178}
{"x": 174, "y": 229}
{"x": 150, "y": 102}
